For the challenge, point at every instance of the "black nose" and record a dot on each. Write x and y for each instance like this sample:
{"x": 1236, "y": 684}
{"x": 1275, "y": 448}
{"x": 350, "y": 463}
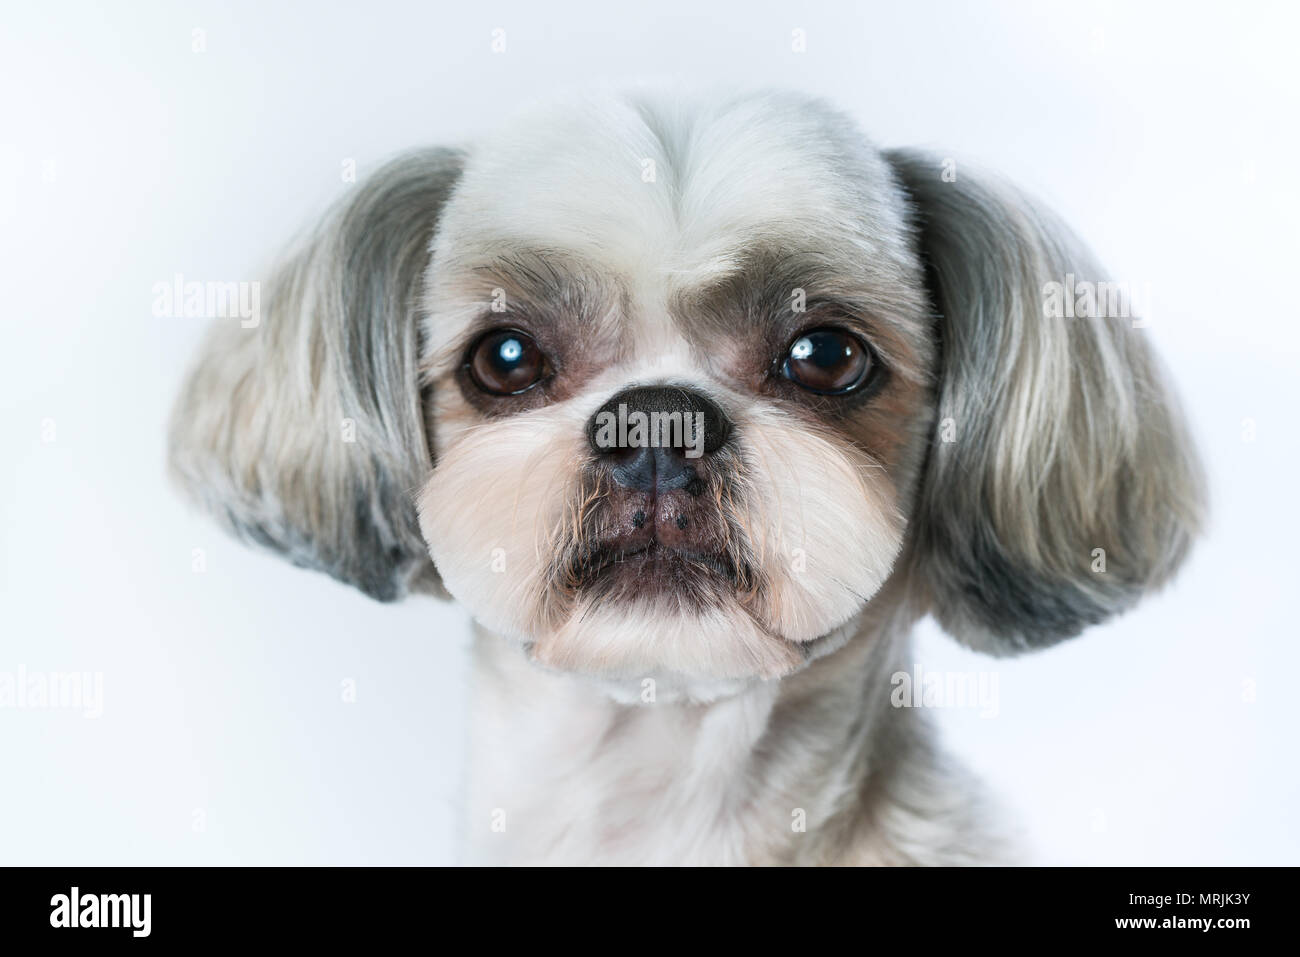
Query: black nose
{"x": 653, "y": 436}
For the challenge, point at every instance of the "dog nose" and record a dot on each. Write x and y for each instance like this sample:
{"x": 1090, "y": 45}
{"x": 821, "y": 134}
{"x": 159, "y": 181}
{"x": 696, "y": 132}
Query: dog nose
{"x": 653, "y": 435}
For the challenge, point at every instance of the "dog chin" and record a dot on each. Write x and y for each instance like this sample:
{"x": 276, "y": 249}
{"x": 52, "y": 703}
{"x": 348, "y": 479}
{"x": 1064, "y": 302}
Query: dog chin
{"x": 661, "y": 634}
{"x": 655, "y": 652}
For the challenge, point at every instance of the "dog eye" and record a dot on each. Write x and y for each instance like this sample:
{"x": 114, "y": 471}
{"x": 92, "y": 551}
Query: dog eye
{"x": 506, "y": 362}
{"x": 828, "y": 362}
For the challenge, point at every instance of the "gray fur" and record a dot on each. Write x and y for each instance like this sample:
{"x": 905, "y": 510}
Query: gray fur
{"x": 1067, "y": 438}
{"x": 257, "y": 436}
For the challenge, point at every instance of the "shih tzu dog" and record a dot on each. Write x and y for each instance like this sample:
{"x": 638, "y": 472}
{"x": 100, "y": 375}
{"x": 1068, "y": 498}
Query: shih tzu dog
{"x": 697, "y": 406}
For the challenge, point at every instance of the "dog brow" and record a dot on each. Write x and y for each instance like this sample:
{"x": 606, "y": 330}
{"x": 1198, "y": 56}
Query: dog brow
{"x": 548, "y": 280}
{"x": 767, "y": 285}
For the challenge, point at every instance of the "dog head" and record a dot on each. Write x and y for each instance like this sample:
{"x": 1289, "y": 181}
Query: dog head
{"x": 673, "y": 389}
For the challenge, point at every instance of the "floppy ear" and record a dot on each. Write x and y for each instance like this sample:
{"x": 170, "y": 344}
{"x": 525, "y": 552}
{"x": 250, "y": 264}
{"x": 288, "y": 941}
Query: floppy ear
{"x": 305, "y": 433}
{"x": 1055, "y": 437}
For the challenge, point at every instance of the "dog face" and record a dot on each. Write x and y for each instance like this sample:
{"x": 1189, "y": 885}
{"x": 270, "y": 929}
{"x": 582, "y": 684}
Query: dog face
{"x": 674, "y": 389}
{"x": 776, "y": 302}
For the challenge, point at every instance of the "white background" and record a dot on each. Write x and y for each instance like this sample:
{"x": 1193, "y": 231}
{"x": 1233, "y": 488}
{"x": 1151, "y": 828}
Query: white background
{"x": 1166, "y": 135}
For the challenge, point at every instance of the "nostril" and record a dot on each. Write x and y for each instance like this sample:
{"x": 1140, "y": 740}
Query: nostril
{"x": 622, "y": 456}
{"x": 650, "y": 470}
{"x": 635, "y": 468}
{"x": 672, "y": 470}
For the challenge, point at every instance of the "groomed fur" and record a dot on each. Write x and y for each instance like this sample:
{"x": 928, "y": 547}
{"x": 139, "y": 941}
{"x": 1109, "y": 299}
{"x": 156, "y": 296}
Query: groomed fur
{"x": 1065, "y": 438}
{"x": 1000, "y": 449}
{"x": 306, "y": 433}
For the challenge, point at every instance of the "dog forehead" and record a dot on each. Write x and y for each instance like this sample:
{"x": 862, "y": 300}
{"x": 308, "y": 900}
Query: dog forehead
{"x": 670, "y": 191}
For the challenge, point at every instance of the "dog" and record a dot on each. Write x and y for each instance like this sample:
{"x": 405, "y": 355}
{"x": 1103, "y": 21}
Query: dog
{"x": 698, "y": 404}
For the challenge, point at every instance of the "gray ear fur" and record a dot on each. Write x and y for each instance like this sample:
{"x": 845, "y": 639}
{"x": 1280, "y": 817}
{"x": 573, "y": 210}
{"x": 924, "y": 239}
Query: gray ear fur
{"x": 1064, "y": 436}
{"x": 306, "y": 433}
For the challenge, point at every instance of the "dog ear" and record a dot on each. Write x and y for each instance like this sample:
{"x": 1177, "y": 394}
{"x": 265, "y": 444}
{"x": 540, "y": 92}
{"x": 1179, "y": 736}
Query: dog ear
{"x": 1061, "y": 483}
{"x": 306, "y": 433}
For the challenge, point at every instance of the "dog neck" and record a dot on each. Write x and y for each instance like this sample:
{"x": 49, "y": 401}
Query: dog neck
{"x": 814, "y": 768}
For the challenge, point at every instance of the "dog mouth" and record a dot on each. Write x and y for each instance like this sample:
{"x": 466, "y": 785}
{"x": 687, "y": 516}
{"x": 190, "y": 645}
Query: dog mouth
{"x": 654, "y": 567}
